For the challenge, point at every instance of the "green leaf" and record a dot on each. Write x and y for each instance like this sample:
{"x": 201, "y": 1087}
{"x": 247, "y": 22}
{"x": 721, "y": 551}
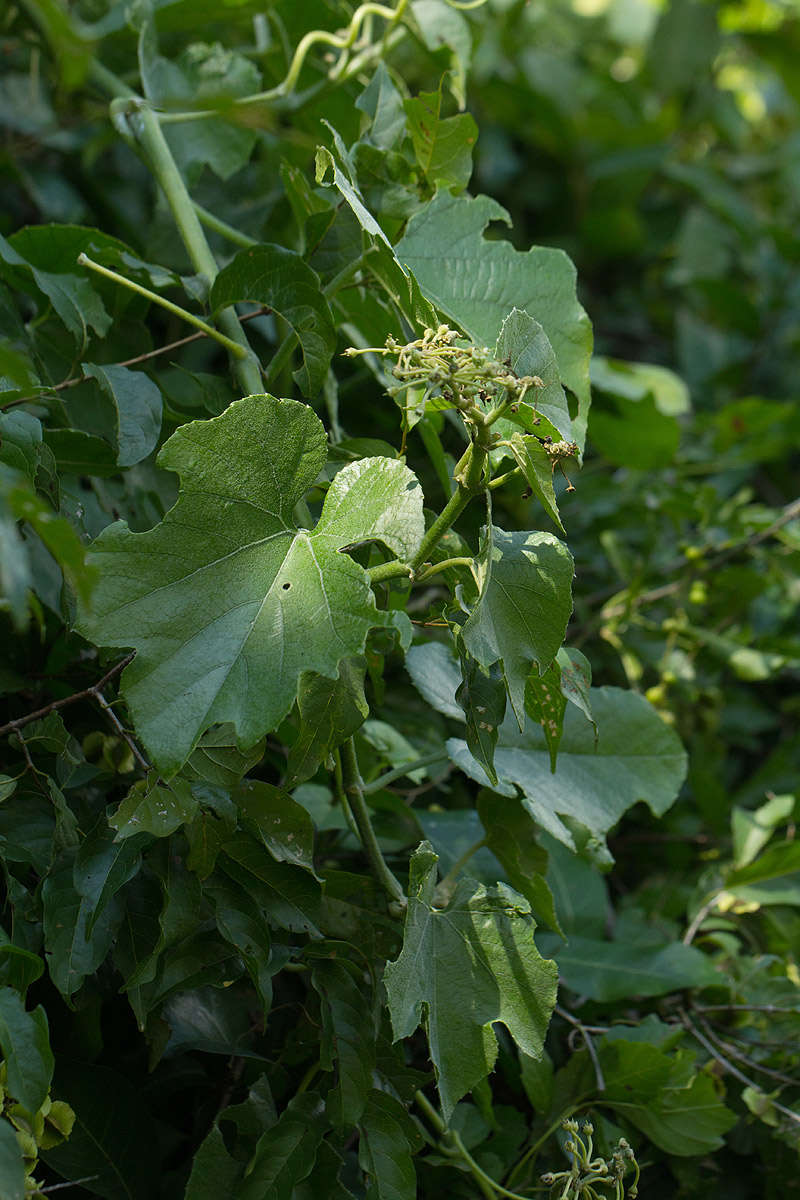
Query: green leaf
{"x": 578, "y": 888}
{"x": 442, "y": 25}
{"x": 324, "y": 1179}
{"x": 523, "y": 608}
{"x": 349, "y": 1034}
{"x": 576, "y": 680}
{"x": 537, "y": 470}
{"x": 686, "y": 39}
{"x": 282, "y": 824}
{"x": 435, "y": 675}
{"x": 202, "y": 76}
{"x": 283, "y": 281}
{"x": 154, "y": 807}
{"x": 71, "y": 295}
{"x": 331, "y": 710}
{"x": 78, "y": 453}
{"x": 482, "y": 695}
{"x": 214, "y": 1173}
{"x": 103, "y": 865}
{"x": 384, "y": 1152}
{"x": 481, "y": 945}
{"x": 27, "y": 829}
{"x": 546, "y": 703}
{"x": 12, "y": 1166}
{"x": 225, "y": 618}
{"x": 635, "y": 380}
{"x": 634, "y": 433}
{"x": 285, "y": 1154}
{"x": 523, "y": 343}
{"x": 381, "y": 101}
{"x": 19, "y": 502}
{"x": 537, "y": 1080}
{"x": 213, "y": 1019}
{"x": 288, "y": 896}
{"x": 72, "y": 951}
{"x": 179, "y": 917}
{"x": 568, "y": 678}
{"x": 609, "y": 971}
{"x": 112, "y": 1129}
{"x": 477, "y": 283}
{"x": 344, "y": 182}
{"x": 19, "y": 968}
{"x": 686, "y": 1121}
{"x": 137, "y": 407}
{"x": 752, "y": 829}
{"x": 443, "y": 146}
{"x": 635, "y": 756}
{"x": 25, "y": 1043}
{"x": 217, "y": 760}
{"x": 510, "y": 835}
{"x": 243, "y": 924}
{"x": 400, "y": 285}
{"x": 781, "y": 858}
{"x": 21, "y": 444}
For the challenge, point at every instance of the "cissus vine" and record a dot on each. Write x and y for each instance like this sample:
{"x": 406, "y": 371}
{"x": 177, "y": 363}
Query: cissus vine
{"x": 310, "y": 799}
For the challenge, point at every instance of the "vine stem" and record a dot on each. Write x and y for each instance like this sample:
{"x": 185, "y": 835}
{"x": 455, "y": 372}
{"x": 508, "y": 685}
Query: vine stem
{"x": 444, "y": 887}
{"x": 354, "y": 790}
{"x": 534, "y": 1149}
{"x": 143, "y": 124}
{"x": 445, "y": 565}
{"x": 284, "y": 352}
{"x": 428, "y": 760}
{"x": 234, "y": 348}
{"x": 469, "y": 486}
{"x": 454, "y": 1146}
{"x": 212, "y": 221}
{"x": 314, "y": 37}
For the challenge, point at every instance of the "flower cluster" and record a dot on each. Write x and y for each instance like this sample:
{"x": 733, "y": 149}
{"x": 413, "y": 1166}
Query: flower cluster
{"x": 452, "y": 374}
{"x": 586, "y": 1174}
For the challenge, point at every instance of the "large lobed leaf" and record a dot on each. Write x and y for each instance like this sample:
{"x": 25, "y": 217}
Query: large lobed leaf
{"x": 478, "y": 282}
{"x": 227, "y": 602}
{"x": 524, "y": 605}
{"x": 633, "y": 757}
{"x": 463, "y": 968}
{"x": 282, "y": 280}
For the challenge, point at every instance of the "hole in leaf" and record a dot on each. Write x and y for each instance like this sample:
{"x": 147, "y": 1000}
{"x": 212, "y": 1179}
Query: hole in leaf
{"x": 286, "y": 586}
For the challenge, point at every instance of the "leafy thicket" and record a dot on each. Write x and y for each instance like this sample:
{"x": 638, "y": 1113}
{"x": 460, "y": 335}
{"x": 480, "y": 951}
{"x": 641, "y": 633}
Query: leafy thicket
{"x": 399, "y": 754}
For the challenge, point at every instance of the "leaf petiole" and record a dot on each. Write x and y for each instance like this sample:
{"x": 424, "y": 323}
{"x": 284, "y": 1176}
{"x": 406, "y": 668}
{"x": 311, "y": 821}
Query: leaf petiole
{"x": 234, "y": 348}
{"x": 453, "y": 1146}
{"x": 428, "y": 760}
{"x": 353, "y": 787}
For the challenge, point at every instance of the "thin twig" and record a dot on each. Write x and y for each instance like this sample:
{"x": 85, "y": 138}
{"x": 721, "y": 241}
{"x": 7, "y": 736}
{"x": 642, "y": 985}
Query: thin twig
{"x": 698, "y": 919}
{"x": 58, "y": 1187}
{"x": 731, "y": 1069}
{"x": 19, "y": 722}
{"x": 750, "y": 1062}
{"x": 789, "y": 513}
{"x": 130, "y": 362}
{"x": 353, "y": 789}
{"x": 428, "y": 760}
{"x": 589, "y": 1044}
{"x": 121, "y": 730}
{"x": 765, "y": 1008}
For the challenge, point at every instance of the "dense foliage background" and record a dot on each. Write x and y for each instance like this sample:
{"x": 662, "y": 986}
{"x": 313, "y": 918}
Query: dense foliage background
{"x": 192, "y": 984}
